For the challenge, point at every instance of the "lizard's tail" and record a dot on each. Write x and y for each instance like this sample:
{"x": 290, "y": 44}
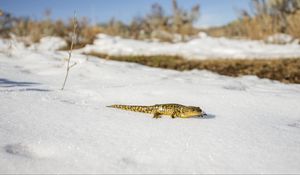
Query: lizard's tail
{"x": 144, "y": 109}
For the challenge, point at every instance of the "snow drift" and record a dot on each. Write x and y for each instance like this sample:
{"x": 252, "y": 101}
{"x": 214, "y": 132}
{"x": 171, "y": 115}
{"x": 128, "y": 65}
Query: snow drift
{"x": 202, "y": 47}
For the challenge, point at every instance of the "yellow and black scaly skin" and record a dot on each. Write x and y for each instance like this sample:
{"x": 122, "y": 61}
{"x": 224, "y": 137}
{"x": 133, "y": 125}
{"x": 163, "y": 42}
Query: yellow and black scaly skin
{"x": 173, "y": 110}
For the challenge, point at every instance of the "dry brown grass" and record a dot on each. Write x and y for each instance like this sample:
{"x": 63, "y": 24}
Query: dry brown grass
{"x": 294, "y": 24}
{"x": 35, "y": 30}
{"x": 284, "y": 70}
{"x": 156, "y": 24}
{"x": 270, "y": 17}
{"x": 257, "y": 28}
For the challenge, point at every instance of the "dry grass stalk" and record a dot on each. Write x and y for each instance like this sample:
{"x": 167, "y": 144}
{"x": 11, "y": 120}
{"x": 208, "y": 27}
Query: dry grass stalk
{"x": 69, "y": 66}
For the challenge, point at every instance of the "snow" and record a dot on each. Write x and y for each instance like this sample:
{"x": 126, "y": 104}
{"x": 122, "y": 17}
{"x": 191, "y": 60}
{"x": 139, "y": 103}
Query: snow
{"x": 7, "y": 45}
{"x": 281, "y": 38}
{"x": 50, "y": 43}
{"x": 202, "y": 47}
{"x": 253, "y": 125}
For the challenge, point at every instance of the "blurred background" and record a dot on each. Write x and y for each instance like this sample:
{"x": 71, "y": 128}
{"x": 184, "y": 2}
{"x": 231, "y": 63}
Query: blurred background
{"x": 170, "y": 21}
{"x": 144, "y": 19}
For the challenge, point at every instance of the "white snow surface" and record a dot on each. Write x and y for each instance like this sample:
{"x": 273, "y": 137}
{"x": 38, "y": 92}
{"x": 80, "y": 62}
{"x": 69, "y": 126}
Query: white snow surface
{"x": 49, "y": 43}
{"x": 281, "y": 38}
{"x": 202, "y": 47}
{"x": 253, "y": 125}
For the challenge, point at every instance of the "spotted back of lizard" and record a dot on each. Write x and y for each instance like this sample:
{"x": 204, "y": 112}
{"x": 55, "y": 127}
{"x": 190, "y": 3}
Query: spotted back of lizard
{"x": 173, "y": 110}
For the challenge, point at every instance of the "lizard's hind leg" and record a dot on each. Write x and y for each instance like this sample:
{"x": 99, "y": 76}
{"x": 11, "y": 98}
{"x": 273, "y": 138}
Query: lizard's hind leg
{"x": 157, "y": 115}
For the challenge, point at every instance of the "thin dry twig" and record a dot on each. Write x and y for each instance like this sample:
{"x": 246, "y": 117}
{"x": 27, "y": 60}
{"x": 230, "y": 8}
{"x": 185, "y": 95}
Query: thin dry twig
{"x": 71, "y": 49}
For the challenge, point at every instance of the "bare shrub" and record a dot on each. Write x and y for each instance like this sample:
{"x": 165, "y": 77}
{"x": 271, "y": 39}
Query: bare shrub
{"x": 156, "y": 24}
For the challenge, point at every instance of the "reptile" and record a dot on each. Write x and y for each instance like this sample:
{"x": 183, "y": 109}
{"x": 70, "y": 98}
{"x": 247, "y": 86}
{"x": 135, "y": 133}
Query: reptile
{"x": 173, "y": 110}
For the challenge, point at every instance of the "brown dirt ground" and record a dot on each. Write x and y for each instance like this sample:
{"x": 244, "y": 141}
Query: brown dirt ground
{"x": 284, "y": 70}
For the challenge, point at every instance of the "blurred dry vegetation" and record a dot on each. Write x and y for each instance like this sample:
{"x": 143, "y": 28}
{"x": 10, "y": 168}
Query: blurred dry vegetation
{"x": 33, "y": 30}
{"x": 155, "y": 24}
{"x": 268, "y": 17}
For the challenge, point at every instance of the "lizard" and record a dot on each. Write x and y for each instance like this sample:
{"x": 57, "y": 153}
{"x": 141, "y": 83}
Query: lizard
{"x": 173, "y": 110}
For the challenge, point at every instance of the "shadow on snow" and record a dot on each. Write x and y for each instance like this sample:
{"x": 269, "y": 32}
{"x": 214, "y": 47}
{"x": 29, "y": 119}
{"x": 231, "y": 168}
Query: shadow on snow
{"x": 5, "y": 83}
{"x": 207, "y": 116}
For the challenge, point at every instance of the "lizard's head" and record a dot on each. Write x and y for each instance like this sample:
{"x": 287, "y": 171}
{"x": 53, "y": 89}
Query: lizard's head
{"x": 191, "y": 111}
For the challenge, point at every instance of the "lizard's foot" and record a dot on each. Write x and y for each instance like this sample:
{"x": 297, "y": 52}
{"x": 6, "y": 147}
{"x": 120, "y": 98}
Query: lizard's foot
{"x": 157, "y": 115}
